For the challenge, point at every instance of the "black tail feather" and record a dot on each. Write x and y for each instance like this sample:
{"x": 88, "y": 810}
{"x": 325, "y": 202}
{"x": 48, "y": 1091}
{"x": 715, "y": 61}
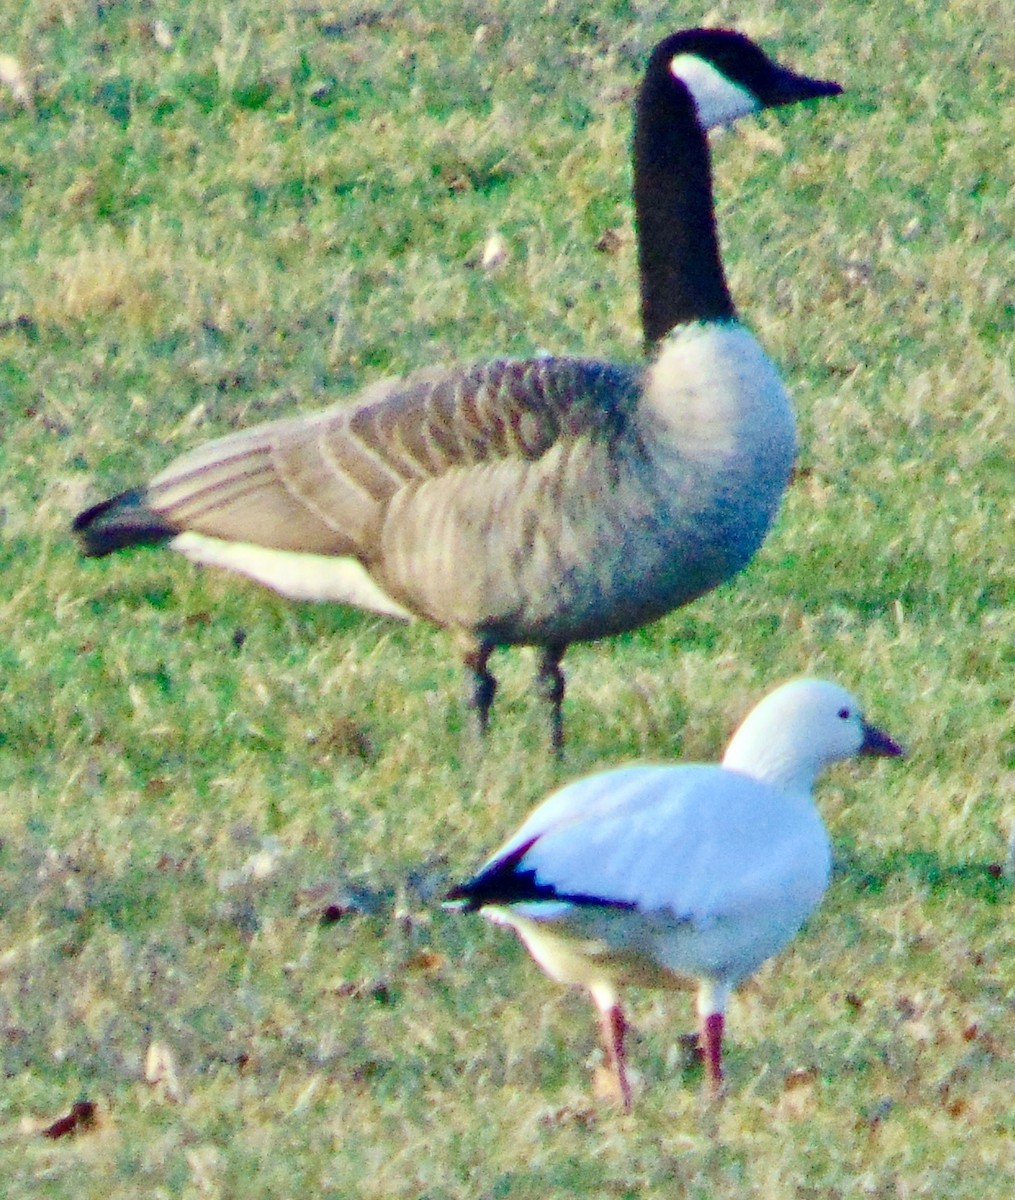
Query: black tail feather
{"x": 507, "y": 882}
{"x": 500, "y": 883}
{"x": 124, "y": 520}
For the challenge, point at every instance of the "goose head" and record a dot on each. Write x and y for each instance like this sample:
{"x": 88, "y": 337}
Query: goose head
{"x": 727, "y": 76}
{"x": 695, "y": 80}
{"x": 800, "y": 729}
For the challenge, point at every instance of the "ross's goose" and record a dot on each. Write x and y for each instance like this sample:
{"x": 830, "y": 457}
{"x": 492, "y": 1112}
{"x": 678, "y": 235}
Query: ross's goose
{"x": 666, "y": 875}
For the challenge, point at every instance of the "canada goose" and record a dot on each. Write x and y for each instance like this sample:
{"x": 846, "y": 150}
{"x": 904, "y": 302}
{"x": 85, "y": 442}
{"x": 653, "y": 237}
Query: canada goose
{"x": 663, "y": 875}
{"x": 537, "y": 502}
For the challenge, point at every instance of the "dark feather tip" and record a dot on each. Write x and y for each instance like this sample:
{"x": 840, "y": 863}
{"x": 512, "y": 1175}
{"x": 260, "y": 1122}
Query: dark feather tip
{"x": 503, "y": 883}
{"x": 124, "y": 520}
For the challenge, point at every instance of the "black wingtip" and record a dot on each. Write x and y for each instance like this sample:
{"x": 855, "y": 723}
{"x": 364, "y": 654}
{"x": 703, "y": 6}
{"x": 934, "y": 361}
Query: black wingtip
{"x": 499, "y": 887}
{"x": 506, "y": 882}
{"x": 500, "y": 883}
{"x": 122, "y": 521}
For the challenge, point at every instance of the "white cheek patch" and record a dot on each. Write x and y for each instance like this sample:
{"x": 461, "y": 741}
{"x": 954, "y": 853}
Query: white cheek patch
{"x": 717, "y": 99}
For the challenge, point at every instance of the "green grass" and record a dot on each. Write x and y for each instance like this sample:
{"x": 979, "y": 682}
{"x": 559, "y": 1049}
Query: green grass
{"x": 211, "y": 215}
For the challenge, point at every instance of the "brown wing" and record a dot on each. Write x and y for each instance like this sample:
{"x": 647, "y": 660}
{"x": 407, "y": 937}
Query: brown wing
{"x": 321, "y": 483}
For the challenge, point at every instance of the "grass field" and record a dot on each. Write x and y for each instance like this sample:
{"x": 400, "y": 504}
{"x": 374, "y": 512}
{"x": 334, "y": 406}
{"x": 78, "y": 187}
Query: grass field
{"x": 226, "y": 819}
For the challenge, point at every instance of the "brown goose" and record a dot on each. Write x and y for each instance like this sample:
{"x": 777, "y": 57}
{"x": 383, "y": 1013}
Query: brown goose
{"x": 537, "y": 502}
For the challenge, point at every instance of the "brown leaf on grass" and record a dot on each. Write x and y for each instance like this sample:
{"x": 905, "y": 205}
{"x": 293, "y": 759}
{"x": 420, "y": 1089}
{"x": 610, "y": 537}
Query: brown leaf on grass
{"x": 612, "y": 241}
{"x": 80, "y": 1119}
{"x": 799, "y": 1097}
{"x": 173, "y": 864}
{"x": 365, "y": 989}
{"x": 583, "y": 1117}
{"x": 426, "y": 962}
{"x": 950, "y": 1091}
{"x": 800, "y": 1077}
{"x": 906, "y": 1008}
{"x": 343, "y": 738}
{"x": 80, "y": 190}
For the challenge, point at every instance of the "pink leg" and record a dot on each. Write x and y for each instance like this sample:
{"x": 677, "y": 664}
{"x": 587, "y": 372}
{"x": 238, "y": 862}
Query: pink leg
{"x": 613, "y": 1026}
{"x": 711, "y": 1045}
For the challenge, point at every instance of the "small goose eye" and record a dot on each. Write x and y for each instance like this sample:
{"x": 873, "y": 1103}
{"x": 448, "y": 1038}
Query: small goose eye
{"x": 844, "y": 714}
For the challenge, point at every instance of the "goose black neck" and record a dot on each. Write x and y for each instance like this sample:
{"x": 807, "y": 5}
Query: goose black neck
{"x": 681, "y": 270}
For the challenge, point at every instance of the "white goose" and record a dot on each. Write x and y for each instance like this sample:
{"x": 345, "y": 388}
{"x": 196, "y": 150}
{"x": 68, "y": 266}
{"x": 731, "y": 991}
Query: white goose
{"x": 536, "y": 502}
{"x": 663, "y": 875}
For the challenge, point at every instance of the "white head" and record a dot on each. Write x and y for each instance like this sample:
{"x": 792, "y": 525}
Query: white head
{"x": 798, "y": 730}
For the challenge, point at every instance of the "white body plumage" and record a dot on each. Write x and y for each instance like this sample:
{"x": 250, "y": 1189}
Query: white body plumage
{"x": 685, "y": 875}
{"x": 705, "y": 872}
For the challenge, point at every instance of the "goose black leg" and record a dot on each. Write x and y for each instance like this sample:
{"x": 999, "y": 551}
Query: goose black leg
{"x": 481, "y": 685}
{"x": 550, "y": 682}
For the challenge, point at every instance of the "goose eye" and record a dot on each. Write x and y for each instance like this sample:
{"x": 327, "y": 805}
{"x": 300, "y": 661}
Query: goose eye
{"x": 843, "y": 714}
